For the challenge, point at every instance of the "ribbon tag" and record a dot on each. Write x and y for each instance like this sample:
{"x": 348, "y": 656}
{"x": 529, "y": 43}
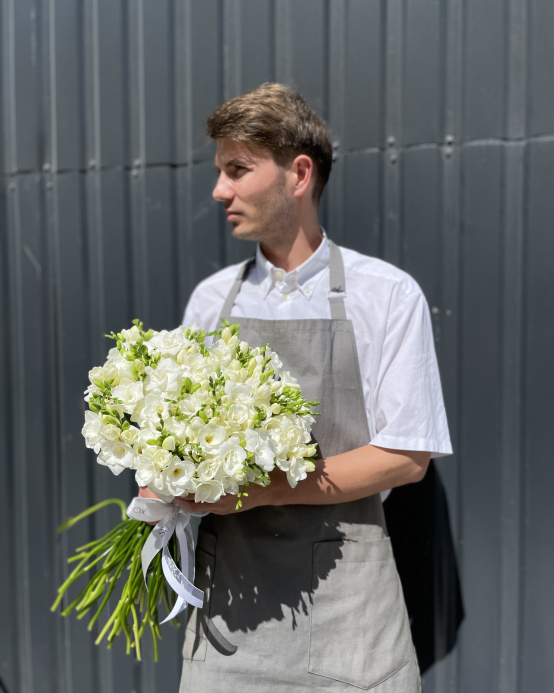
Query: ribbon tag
{"x": 171, "y": 519}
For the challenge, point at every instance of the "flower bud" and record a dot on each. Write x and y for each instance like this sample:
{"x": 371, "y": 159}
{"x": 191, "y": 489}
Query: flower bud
{"x": 169, "y": 443}
{"x": 226, "y": 335}
{"x": 275, "y": 408}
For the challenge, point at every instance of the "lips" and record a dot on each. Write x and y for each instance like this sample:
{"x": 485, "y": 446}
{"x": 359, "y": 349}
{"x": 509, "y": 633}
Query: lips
{"x": 232, "y": 215}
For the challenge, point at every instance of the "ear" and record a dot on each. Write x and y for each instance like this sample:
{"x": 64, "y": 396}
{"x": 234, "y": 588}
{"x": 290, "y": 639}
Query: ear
{"x": 303, "y": 174}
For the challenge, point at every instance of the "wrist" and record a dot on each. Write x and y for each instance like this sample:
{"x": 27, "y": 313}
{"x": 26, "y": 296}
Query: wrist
{"x": 275, "y": 493}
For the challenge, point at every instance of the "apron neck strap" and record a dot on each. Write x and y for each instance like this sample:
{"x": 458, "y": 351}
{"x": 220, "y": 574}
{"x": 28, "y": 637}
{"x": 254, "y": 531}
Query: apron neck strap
{"x": 233, "y": 293}
{"x": 337, "y": 291}
{"x": 337, "y": 284}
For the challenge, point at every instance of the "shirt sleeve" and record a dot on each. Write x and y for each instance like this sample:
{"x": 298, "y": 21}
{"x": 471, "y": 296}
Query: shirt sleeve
{"x": 409, "y": 406}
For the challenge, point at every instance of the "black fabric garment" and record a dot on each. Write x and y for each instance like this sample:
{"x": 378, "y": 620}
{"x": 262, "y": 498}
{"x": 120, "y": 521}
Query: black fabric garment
{"x": 419, "y": 527}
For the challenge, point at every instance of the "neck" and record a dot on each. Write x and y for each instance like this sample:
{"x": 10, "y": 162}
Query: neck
{"x": 290, "y": 252}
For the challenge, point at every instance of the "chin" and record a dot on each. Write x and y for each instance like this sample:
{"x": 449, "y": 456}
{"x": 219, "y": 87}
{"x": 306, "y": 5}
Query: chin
{"x": 244, "y": 234}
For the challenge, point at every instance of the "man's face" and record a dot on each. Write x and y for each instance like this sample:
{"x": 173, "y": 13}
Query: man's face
{"x": 254, "y": 191}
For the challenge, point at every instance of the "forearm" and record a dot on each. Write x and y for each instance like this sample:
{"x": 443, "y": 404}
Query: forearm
{"x": 337, "y": 479}
{"x": 350, "y": 476}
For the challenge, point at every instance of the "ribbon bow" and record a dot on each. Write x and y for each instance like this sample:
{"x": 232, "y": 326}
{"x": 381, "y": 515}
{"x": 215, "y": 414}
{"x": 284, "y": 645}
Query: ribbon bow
{"x": 170, "y": 518}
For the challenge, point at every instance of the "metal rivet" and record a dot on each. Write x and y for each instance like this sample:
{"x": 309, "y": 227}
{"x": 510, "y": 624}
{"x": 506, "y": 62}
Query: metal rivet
{"x": 448, "y": 311}
{"x": 134, "y": 173}
{"x": 46, "y": 167}
{"x": 137, "y": 163}
{"x": 448, "y": 151}
{"x": 435, "y": 310}
{"x": 11, "y": 187}
{"x": 49, "y": 185}
{"x": 393, "y": 158}
{"x": 449, "y": 139}
{"x": 391, "y": 141}
{"x": 92, "y": 163}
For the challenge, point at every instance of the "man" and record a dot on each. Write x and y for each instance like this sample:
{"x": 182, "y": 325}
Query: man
{"x": 301, "y": 589}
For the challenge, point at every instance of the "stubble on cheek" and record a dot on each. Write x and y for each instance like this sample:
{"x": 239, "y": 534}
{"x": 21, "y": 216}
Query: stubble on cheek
{"x": 271, "y": 223}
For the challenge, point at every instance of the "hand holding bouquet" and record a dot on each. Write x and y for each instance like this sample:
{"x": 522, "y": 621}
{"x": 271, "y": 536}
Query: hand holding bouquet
{"x": 188, "y": 418}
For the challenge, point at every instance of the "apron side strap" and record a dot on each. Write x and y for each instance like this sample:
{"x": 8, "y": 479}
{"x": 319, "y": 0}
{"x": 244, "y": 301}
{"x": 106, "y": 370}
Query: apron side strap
{"x": 233, "y": 293}
{"x": 337, "y": 284}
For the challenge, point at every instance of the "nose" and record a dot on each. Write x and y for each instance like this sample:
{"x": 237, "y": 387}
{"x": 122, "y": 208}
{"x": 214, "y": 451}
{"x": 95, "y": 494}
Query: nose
{"x": 222, "y": 190}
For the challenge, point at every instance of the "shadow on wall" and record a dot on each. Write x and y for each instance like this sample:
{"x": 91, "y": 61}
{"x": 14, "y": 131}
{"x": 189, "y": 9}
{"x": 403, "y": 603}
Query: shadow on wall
{"x": 419, "y": 528}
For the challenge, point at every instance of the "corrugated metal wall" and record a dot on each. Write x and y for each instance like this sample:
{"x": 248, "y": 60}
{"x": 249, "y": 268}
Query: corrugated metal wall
{"x": 442, "y": 112}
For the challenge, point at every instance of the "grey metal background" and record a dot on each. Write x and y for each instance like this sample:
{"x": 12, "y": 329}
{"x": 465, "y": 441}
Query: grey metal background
{"x": 443, "y": 118}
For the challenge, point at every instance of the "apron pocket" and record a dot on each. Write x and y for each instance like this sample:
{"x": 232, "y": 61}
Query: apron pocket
{"x": 359, "y": 630}
{"x": 195, "y": 645}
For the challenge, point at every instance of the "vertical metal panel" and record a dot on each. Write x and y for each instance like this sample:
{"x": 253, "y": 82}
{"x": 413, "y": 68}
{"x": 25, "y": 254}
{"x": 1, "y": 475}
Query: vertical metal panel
{"x": 361, "y": 223}
{"x": 484, "y": 62}
{"x": 441, "y": 116}
{"x": 363, "y": 69}
{"x": 105, "y": 82}
{"x": 421, "y": 230}
{"x": 66, "y": 55}
{"x": 541, "y": 67}
{"x": 480, "y": 420}
{"x": 301, "y": 49}
{"x": 393, "y": 122}
{"x": 422, "y": 113}
{"x": 537, "y": 612}
{"x": 206, "y": 82}
{"x": 256, "y": 43}
{"x": 21, "y": 55}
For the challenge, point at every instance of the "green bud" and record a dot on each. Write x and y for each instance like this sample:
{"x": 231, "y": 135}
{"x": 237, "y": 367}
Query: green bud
{"x": 125, "y": 425}
{"x": 93, "y": 408}
{"x": 99, "y": 383}
{"x": 152, "y": 441}
{"x": 187, "y": 384}
{"x": 194, "y": 388}
{"x": 203, "y": 416}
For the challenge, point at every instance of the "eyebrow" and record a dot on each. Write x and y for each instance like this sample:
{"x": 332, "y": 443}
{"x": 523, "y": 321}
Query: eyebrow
{"x": 233, "y": 162}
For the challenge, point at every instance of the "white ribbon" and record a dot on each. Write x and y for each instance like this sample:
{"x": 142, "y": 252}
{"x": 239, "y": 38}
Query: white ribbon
{"x": 170, "y": 518}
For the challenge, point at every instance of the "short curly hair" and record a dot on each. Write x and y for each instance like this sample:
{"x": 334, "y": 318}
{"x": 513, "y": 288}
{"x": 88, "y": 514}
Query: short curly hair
{"x": 278, "y": 119}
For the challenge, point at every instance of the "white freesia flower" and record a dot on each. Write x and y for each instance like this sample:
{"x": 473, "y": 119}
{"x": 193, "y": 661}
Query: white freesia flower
{"x": 132, "y": 335}
{"x": 288, "y": 379}
{"x": 178, "y": 477}
{"x": 92, "y": 431}
{"x": 260, "y": 443}
{"x": 210, "y": 437}
{"x": 238, "y": 393}
{"x": 165, "y": 378}
{"x": 154, "y": 407}
{"x": 209, "y": 491}
{"x": 116, "y": 454}
{"x": 130, "y": 393}
{"x": 233, "y": 456}
{"x": 130, "y": 436}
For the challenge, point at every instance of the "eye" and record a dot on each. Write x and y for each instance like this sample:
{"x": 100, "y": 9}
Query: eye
{"x": 237, "y": 171}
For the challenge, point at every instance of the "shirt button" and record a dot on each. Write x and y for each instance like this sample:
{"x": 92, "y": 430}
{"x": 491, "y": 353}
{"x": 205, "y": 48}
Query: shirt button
{"x": 308, "y": 291}
{"x": 286, "y": 297}
{"x": 279, "y": 275}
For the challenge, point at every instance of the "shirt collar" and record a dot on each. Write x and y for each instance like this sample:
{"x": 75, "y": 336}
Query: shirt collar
{"x": 304, "y": 277}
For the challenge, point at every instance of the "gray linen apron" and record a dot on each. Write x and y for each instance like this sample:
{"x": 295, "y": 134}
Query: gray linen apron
{"x": 303, "y": 597}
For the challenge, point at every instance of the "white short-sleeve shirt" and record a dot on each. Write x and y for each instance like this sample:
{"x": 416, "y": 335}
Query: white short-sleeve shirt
{"x": 398, "y": 365}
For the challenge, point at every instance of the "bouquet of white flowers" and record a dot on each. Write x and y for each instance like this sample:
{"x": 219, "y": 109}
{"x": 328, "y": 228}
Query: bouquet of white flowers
{"x": 190, "y": 417}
